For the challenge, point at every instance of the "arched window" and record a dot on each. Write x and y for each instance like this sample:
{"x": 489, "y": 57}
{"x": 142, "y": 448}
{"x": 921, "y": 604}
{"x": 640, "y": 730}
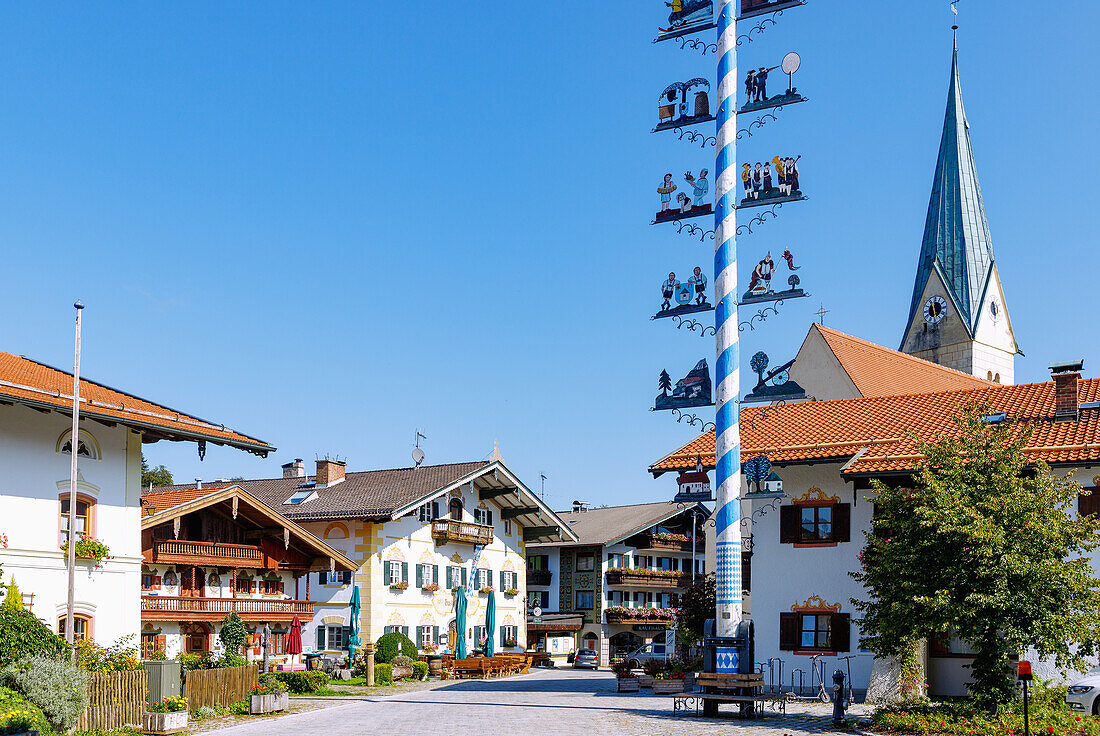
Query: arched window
{"x": 82, "y": 626}
{"x": 455, "y": 509}
{"x": 997, "y": 378}
{"x": 83, "y": 516}
{"x": 989, "y": 375}
{"x": 86, "y": 445}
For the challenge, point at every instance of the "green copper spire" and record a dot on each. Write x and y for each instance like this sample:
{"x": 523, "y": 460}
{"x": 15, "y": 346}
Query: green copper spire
{"x": 956, "y": 234}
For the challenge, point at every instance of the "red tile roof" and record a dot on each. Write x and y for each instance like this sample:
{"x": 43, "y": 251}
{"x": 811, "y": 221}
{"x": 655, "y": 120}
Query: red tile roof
{"x": 170, "y": 499}
{"x": 881, "y": 427}
{"x": 35, "y": 384}
{"x": 880, "y": 371}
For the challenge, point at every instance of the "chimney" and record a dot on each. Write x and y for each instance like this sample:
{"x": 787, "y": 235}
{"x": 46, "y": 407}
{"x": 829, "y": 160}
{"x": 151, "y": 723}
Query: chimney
{"x": 198, "y": 483}
{"x": 580, "y": 506}
{"x": 329, "y": 472}
{"x": 1066, "y": 400}
{"x": 296, "y": 469}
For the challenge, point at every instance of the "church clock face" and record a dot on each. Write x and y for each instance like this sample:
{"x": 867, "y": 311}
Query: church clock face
{"x": 935, "y": 309}
{"x": 994, "y": 310}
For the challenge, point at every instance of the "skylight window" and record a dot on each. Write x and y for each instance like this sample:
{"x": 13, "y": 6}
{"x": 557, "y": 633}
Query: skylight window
{"x": 299, "y": 496}
{"x": 995, "y": 418}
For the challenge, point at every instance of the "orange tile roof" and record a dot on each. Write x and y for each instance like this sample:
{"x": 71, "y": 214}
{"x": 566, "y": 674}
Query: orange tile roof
{"x": 880, "y": 371}
{"x": 881, "y": 427}
{"x": 170, "y": 499}
{"x": 35, "y": 384}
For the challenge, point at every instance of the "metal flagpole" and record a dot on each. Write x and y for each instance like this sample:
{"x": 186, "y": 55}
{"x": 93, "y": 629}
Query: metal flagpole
{"x": 727, "y": 430}
{"x": 74, "y": 444}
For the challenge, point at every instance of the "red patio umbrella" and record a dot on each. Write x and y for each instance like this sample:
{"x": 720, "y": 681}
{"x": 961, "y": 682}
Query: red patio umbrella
{"x": 294, "y": 638}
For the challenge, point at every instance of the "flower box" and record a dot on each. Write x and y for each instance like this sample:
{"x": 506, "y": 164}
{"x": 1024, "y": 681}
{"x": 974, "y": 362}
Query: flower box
{"x": 164, "y": 722}
{"x": 269, "y": 703}
{"x": 511, "y": 592}
{"x": 646, "y": 680}
{"x": 486, "y": 590}
{"x": 430, "y": 587}
{"x": 628, "y": 685}
{"x": 667, "y": 687}
{"x": 399, "y": 585}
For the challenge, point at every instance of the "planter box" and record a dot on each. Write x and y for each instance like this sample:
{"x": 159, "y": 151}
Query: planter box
{"x": 689, "y": 682}
{"x": 269, "y": 703}
{"x": 165, "y": 722}
{"x": 646, "y": 680}
{"x": 667, "y": 687}
{"x": 628, "y": 685}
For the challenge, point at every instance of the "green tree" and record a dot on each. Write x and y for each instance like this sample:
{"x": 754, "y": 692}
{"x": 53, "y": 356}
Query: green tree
{"x": 13, "y": 601}
{"x": 985, "y": 546}
{"x": 697, "y": 604}
{"x": 664, "y": 382}
{"x": 233, "y": 633}
{"x": 158, "y": 476}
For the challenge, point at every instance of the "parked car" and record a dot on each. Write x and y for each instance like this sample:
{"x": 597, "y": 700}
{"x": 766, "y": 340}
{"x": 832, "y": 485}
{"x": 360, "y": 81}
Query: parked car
{"x": 586, "y": 658}
{"x": 648, "y": 653}
{"x": 1082, "y": 694}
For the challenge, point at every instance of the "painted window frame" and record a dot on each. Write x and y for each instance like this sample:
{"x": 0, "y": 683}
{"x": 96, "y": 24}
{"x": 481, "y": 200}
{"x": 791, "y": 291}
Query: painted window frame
{"x": 63, "y": 515}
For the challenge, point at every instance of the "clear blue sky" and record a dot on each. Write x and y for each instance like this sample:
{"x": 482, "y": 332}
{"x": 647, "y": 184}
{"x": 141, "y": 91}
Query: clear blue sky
{"x": 327, "y": 225}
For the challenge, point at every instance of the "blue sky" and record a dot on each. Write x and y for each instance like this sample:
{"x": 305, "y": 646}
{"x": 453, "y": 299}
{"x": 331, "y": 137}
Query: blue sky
{"x": 329, "y": 225}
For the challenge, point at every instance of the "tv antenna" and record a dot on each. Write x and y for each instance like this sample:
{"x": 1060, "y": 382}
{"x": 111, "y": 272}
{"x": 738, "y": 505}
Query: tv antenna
{"x": 417, "y": 453}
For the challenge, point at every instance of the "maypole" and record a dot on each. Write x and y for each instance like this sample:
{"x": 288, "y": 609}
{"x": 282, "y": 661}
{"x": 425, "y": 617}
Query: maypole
{"x": 727, "y": 433}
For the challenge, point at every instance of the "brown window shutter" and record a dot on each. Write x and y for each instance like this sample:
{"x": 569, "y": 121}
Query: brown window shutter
{"x": 1089, "y": 505}
{"x": 788, "y": 524}
{"x": 842, "y": 523}
{"x": 788, "y": 631}
{"x": 162, "y": 642}
{"x": 840, "y": 631}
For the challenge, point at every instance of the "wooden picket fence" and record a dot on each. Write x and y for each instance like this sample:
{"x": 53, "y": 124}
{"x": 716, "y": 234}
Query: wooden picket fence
{"x": 115, "y": 699}
{"x": 219, "y": 687}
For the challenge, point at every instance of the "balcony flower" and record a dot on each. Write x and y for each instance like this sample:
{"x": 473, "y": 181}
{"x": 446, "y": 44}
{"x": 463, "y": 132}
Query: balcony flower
{"x": 399, "y": 585}
{"x": 670, "y": 537}
{"x": 646, "y": 614}
{"x": 649, "y": 573}
{"x": 89, "y": 549}
{"x": 430, "y": 587}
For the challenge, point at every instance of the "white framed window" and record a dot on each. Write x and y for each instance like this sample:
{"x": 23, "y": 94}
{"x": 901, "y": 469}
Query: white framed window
{"x": 426, "y": 637}
{"x": 334, "y": 639}
{"x": 428, "y": 512}
{"x": 394, "y": 569}
{"x": 508, "y": 578}
{"x": 507, "y": 633}
{"x": 483, "y": 516}
{"x": 456, "y": 576}
{"x": 483, "y": 578}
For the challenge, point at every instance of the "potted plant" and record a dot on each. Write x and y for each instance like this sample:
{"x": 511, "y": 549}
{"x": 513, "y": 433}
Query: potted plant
{"x": 267, "y": 696}
{"x": 430, "y": 587}
{"x": 625, "y": 679}
{"x": 165, "y": 716}
{"x": 89, "y": 549}
{"x": 399, "y": 585}
{"x": 486, "y": 590}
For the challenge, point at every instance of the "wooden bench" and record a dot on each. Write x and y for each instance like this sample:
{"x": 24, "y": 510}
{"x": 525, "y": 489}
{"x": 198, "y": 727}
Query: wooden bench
{"x": 471, "y": 667}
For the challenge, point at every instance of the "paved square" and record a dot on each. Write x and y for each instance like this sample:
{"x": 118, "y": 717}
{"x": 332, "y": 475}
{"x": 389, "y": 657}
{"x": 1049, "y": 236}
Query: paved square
{"x": 544, "y": 703}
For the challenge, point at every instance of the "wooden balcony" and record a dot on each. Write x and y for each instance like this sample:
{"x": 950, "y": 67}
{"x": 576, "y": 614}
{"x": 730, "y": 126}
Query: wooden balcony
{"x": 648, "y": 578}
{"x": 465, "y": 532}
{"x": 173, "y": 608}
{"x": 653, "y": 542}
{"x": 180, "y": 552}
{"x": 539, "y": 577}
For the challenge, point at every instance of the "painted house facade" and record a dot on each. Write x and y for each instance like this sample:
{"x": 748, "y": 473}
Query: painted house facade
{"x": 35, "y": 453}
{"x": 210, "y": 551}
{"x": 416, "y": 535}
{"x": 617, "y": 586}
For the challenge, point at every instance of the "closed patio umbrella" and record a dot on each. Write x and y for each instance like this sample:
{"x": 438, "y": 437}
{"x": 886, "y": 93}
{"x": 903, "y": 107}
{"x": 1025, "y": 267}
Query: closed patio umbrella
{"x": 490, "y": 623}
{"x": 354, "y": 641}
{"x": 294, "y": 637}
{"x": 460, "y": 623}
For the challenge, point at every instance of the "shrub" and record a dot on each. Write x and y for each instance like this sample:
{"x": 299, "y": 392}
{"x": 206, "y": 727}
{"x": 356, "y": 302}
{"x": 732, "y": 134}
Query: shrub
{"x": 193, "y": 662}
{"x": 204, "y": 712}
{"x": 228, "y": 660}
{"x": 383, "y": 674}
{"x": 60, "y": 689}
{"x": 168, "y": 705}
{"x": 402, "y": 661}
{"x": 420, "y": 670}
{"x": 17, "y": 714}
{"x": 119, "y": 657}
{"x": 21, "y": 633}
{"x": 392, "y": 644}
{"x": 303, "y": 681}
{"x": 233, "y": 633}
{"x": 13, "y": 600}
{"x": 240, "y": 708}
{"x": 359, "y": 665}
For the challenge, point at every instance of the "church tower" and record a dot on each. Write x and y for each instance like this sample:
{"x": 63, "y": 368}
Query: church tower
{"x": 958, "y": 317}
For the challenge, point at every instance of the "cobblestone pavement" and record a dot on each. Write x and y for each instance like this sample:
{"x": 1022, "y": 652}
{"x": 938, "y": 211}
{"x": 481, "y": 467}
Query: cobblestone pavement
{"x": 544, "y": 703}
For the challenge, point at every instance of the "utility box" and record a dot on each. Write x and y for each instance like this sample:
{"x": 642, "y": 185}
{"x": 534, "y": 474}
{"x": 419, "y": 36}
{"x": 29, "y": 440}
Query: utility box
{"x": 164, "y": 679}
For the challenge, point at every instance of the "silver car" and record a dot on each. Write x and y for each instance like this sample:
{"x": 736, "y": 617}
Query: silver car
{"x": 1081, "y": 695}
{"x": 587, "y": 659}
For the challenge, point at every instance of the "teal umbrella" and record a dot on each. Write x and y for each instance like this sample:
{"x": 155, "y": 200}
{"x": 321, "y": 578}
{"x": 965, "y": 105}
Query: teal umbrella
{"x": 460, "y": 623}
{"x": 354, "y": 641}
{"x": 490, "y": 623}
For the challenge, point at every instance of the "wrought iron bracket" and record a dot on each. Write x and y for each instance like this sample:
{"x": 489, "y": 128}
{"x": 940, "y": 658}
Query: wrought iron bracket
{"x": 760, "y": 122}
{"x": 693, "y": 229}
{"x": 694, "y": 325}
{"x": 692, "y": 420}
{"x": 760, "y": 26}
{"x": 695, "y": 136}
{"x": 760, "y": 219}
{"x": 697, "y": 44}
{"x": 761, "y": 315}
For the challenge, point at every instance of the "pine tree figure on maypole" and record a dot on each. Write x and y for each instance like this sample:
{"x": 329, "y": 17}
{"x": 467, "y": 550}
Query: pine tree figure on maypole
{"x": 664, "y": 383}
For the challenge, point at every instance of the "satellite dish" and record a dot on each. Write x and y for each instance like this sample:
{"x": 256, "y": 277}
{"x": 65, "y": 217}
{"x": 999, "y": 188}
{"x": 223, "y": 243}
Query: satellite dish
{"x": 418, "y": 456}
{"x": 791, "y": 62}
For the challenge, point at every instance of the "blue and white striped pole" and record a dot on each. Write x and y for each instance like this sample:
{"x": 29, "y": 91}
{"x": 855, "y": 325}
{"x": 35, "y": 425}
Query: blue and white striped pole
{"x": 726, "y": 370}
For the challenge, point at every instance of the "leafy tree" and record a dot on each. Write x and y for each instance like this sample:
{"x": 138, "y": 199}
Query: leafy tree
{"x": 233, "y": 633}
{"x": 664, "y": 382}
{"x": 13, "y": 600}
{"x": 393, "y": 644}
{"x": 986, "y": 547}
{"x": 697, "y": 604}
{"x": 158, "y": 476}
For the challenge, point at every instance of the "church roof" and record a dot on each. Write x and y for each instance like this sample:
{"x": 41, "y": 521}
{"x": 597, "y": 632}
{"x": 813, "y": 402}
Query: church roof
{"x": 879, "y": 371}
{"x": 875, "y": 435}
{"x": 956, "y": 242}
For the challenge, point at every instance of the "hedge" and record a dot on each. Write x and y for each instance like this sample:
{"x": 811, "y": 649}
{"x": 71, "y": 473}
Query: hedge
{"x": 391, "y": 644}
{"x": 299, "y": 681}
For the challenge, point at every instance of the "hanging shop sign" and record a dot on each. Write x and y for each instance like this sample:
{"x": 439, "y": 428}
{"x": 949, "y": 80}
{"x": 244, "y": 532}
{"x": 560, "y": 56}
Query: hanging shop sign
{"x": 684, "y": 297}
{"x": 774, "y": 385}
{"x": 756, "y": 86}
{"x": 687, "y": 16}
{"x": 749, "y": 8}
{"x": 760, "y": 285}
{"x": 771, "y": 182}
{"x": 680, "y": 204}
{"x": 694, "y": 389}
{"x": 684, "y": 103}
